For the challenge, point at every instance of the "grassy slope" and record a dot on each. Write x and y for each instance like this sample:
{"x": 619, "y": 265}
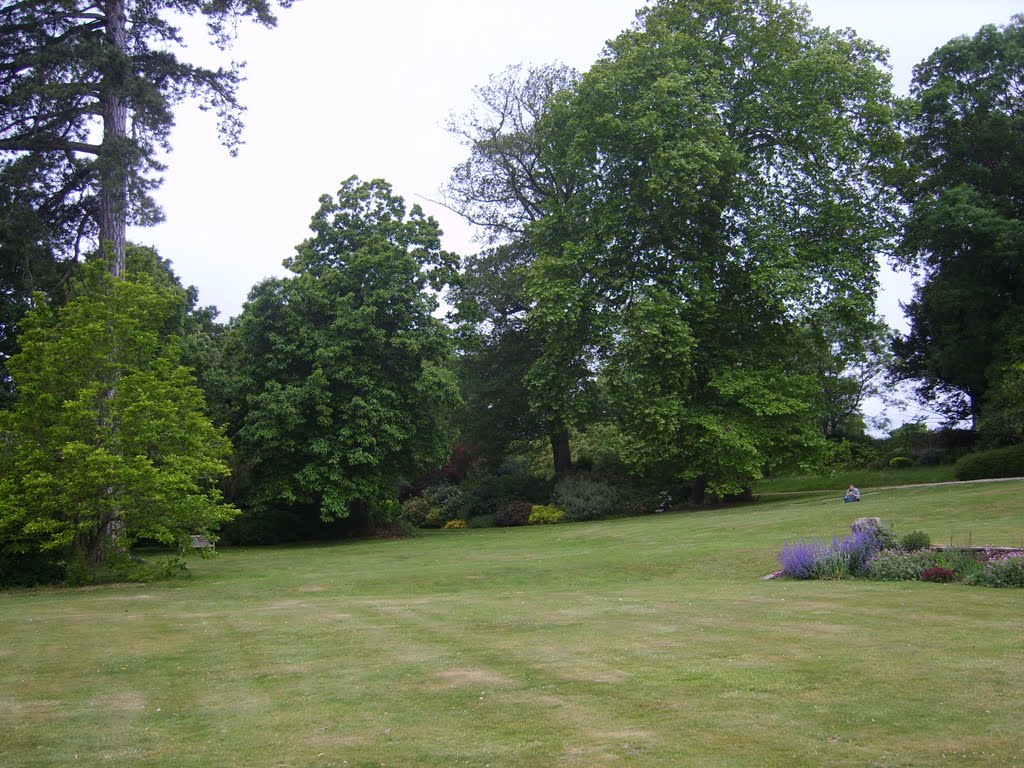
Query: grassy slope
{"x": 646, "y": 642}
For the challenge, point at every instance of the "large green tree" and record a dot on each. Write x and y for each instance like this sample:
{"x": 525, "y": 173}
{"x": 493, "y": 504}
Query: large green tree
{"x": 88, "y": 90}
{"x": 730, "y": 167}
{"x": 965, "y": 229}
{"x": 108, "y": 433}
{"x": 341, "y": 371}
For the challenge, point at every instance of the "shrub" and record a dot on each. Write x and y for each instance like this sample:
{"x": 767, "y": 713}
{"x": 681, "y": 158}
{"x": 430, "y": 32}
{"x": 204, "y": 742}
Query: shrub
{"x": 482, "y": 521}
{"x": 938, "y": 574}
{"x": 584, "y": 497}
{"x": 29, "y": 570}
{"x": 446, "y": 500}
{"x": 546, "y": 515}
{"x": 512, "y": 514}
{"x": 457, "y": 523}
{"x": 798, "y": 559}
{"x": 836, "y": 563}
{"x": 998, "y": 462}
{"x": 900, "y": 462}
{"x": 862, "y": 547}
{"x": 959, "y": 560}
{"x": 1008, "y": 572}
{"x": 416, "y": 511}
{"x": 485, "y": 494}
{"x": 884, "y": 536}
{"x": 892, "y": 565}
{"x": 914, "y": 541}
{"x": 635, "y": 501}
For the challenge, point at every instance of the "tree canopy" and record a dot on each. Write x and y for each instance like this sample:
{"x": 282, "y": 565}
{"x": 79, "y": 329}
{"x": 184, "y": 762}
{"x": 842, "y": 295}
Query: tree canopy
{"x": 107, "y": 442}
{"x": 340, "y": 371}
{"x": 730, "y": 169}
{"x": 965, "y": 229}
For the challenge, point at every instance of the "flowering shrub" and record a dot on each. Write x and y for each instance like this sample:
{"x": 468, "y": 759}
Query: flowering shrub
{"x": 938, "y": 574}
{"x": 798, "y": 559}
{"x": 861, "y": 548}
{"x": 455, "y": 524}
{"x": 894, "y": 565}
{"x": 1007, "y": 572}
{"x": 849, "y": 557}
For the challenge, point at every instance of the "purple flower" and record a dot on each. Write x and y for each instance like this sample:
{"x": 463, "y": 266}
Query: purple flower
{"x": 798, "y": 558}
{"x": 862, "y": 547}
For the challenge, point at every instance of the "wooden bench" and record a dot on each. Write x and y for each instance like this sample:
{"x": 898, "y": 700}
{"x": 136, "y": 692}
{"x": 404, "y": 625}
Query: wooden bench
{"x": 201, "y": 542}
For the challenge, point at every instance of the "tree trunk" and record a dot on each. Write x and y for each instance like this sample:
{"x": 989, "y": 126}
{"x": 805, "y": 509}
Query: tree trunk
{"x": 560, "y": 452}
{"x": 698, "y": 491}
{"x": 112, "y": 162}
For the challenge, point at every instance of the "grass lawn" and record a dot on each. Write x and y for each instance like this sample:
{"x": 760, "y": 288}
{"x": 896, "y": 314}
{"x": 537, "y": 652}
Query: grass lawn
{"x": 641, "y": 642}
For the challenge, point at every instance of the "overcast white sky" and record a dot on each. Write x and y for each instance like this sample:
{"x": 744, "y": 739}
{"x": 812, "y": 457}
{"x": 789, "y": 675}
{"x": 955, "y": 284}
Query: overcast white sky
{"x": 365, "y": 88}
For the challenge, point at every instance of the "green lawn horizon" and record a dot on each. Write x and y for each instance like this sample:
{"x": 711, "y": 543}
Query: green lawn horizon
{"x": 644, "y": 642}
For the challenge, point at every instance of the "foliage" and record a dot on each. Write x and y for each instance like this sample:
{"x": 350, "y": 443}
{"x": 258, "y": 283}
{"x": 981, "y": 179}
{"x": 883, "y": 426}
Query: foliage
{"x": 896, "y": 565}
{"x": 1006, "y": 572}
{"x": 964, "y": 229}
{"x": 585, "y": 497}
{"x": 457, "y": 523}
{"x": 501, "y": 187}
{"x": 107, "y": 443}
{"x": 900, "y": 462}
{"x": 693, "y": 254}
{"x": 915, "y": 540}
{"x": 513, "y": 513}
{"x": 486, "y": 493}
{"x": 834, "y": 564}
{"x": 997, "y": 462}
{"x": 1002, "y": 415}
{"x": 866, "y": 478}
{"x": 938, "y": 574}
{"x": 960, "y": 560}
{"x": 417, "y": 511}
{"x": 29, "y": 569}
{"x": 496, "y": 350}
{"x": 340, "y": 385}
{"x": 546, "y": 514}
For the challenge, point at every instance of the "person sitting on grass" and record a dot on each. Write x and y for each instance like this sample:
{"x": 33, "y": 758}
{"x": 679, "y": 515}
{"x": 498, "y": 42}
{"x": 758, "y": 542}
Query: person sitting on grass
{"x": 852, "y": 494}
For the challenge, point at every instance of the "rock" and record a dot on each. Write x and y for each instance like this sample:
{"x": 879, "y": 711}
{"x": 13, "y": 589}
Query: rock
{"x": 866, "y": 524}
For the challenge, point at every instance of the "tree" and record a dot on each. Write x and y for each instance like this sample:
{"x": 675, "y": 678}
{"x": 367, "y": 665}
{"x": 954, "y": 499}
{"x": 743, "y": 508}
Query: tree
{"x": 495, "y": 352}
{"x": 88, "y": 90}
{"x": 730, "y": 167}
{"x": 849, "y": 356}
{"x": 503, "y": 183}
{"x": 108, "y": 425}
{"x": 341, "y": 372}
{"x": 502, "y": 187}
{"x": 965, "y": 228}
